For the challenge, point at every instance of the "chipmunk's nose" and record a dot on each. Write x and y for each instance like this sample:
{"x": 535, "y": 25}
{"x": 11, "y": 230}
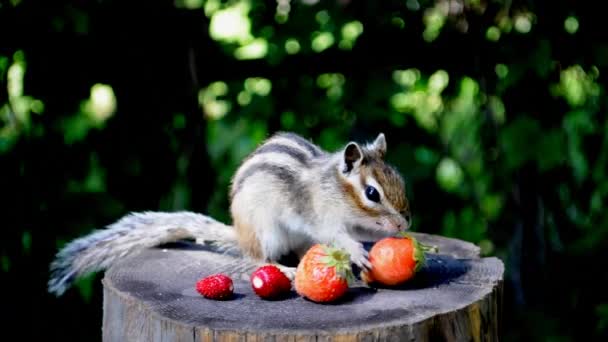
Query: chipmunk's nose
{"x": 406, "y": 220}
{"x": 396, "y": 223}
{"x": 403, "y": 225}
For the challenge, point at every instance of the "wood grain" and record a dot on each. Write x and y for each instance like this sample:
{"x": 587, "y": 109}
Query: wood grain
{"x": 151, "y": 297}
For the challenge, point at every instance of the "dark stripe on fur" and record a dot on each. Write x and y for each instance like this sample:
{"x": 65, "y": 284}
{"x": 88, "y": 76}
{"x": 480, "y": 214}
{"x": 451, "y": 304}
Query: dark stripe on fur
{"x": 392, "y": 184}
{"x": 299, "y": 197}
{"x": 354, "y": 198}
{"x": 310, "y": 147}
{"x": 279, "y": 148}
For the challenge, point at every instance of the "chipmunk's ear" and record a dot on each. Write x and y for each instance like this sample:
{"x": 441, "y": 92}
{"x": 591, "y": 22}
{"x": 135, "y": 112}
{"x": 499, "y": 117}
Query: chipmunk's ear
{"x": 352, "y": 157}
{"x": 379, "y": 145}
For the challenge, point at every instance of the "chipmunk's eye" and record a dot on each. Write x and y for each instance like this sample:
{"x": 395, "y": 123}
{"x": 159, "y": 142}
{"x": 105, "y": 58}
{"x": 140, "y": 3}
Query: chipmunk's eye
{"x": 372, "y": 194}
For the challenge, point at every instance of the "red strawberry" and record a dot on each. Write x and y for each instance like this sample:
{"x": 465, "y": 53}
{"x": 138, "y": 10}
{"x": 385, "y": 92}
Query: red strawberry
{"x": 217, "y": 286}
{"x": 269, "y": 282}
{"x": 323, "y": 274}
{"x": 395, "y": 260}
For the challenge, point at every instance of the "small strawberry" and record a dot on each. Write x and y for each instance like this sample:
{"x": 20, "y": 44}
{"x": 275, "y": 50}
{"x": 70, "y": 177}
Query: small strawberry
{"x": 395, "y": 260}
{"x": 323, "y": 274}
{"x": 269, "y": 282}
{"x": 217, "y": 286}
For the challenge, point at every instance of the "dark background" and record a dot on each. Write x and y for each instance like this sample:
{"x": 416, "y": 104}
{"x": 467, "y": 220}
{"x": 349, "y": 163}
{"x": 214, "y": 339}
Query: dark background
{"x": 494, "y": 111}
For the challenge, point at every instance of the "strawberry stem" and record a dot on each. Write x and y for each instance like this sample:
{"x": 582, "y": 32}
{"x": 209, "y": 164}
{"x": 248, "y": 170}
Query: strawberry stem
{"x": 419, "y": 250}
{"x": 429, "y": 248}
{"x": 426, "y": 248}
{"x": 340, "y": 259}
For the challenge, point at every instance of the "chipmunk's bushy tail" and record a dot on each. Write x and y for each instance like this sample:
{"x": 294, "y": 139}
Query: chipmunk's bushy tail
{"x": 132, "y": 234}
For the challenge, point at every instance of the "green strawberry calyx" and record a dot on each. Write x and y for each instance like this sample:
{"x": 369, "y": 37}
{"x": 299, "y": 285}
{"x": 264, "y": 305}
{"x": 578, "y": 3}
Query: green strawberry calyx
{"x": 419, "y": 250}
{"x": 340, "y": 260}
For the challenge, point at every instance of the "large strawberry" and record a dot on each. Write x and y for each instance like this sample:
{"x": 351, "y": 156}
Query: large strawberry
{"x": 269, "y": 282}
{"x": 323, "y": 274}
{"x": 395, "y": 260}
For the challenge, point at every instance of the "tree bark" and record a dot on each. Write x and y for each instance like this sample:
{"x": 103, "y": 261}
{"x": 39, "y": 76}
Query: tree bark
{"x": 152, "y": 297}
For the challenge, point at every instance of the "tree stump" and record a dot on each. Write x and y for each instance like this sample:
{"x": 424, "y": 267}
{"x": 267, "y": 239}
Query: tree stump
{"x": 152, "y": 297}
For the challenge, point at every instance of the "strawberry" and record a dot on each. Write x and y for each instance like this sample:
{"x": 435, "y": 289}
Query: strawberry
{"x": 323, "y": 274}
{"x": 269, "y": 282}
{"x": 217, "y": 286}
{"x": 395, "y": 260}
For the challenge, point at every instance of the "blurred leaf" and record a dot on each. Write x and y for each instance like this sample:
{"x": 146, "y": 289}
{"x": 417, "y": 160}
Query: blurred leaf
{"x": 6, "y": 263}
{"x": 491, "y": 205}
{"x": 449, "y": 174}
{"x": 576, "y": 86}
{"x": 551, "y": 149}
{"x": 26, "y": 241}
{"x": 541, "y": 58}
{"x": 190, "y": 4}
{"x": 426, "y": 155}
{"x": 434, "y": 19}
{"x": 322, "y": 41}
{"x": 571, "y": 24}
{"x": 577, "y": 125}
{"x": 518, "y": 140}
{"x": 548, "y": 149}
{"x": 232, "y": 24}
{"x": 601, "y": 311}
{"x": 486, "y": 247}
{"x": 438, "y": 81}
{"x": 3, "y": 66}
{"x": 85, "y": 286}
{"x": 465, "y": 225}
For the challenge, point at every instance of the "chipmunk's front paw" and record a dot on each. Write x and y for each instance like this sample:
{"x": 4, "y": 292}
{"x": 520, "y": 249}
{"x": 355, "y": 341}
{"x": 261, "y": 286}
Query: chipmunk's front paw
{"x": 359, "y": 257}
{"x": 289, "y": 272}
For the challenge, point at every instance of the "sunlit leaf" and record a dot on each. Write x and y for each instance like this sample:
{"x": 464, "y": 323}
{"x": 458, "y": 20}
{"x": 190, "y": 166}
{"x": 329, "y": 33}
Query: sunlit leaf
{"x": 322, "y": 41}
{"x": 350, "y": 33}
{"x": 232, "y": 24}
{"x": 258, "y": 85}
{"x": 576, "y": 86}
{"x": 15, "y": 76}
{"x": 493, "y": 33}
{"x": 102, "y": 102}
{"x": 406, "y": 78}
{"x": 449, "y": 174}
{"x": 438, "y": 81}
{"x": 257, "y": 48}
{"x": 571, "y": 25}
{"x": 501, "y": 70}
{"x": 434, "y": 19}
{"x": 190, "y": 4}
{"x": 292, "y": 46}
{"x": 523, "y": 22}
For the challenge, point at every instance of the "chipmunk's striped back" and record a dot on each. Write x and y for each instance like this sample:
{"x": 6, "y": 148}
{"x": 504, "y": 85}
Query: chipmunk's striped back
{"x": 282, "y": 156}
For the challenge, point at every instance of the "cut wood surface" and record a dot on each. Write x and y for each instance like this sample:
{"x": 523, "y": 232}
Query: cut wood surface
{"x": 152, "y": 297}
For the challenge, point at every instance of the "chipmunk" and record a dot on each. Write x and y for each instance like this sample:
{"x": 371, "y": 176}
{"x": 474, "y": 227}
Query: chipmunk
{"x": 287, "y": 195}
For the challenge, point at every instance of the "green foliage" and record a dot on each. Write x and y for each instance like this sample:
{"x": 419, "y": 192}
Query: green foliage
{"x": 85, "y": 286}
{"x": 6, "y": 263}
